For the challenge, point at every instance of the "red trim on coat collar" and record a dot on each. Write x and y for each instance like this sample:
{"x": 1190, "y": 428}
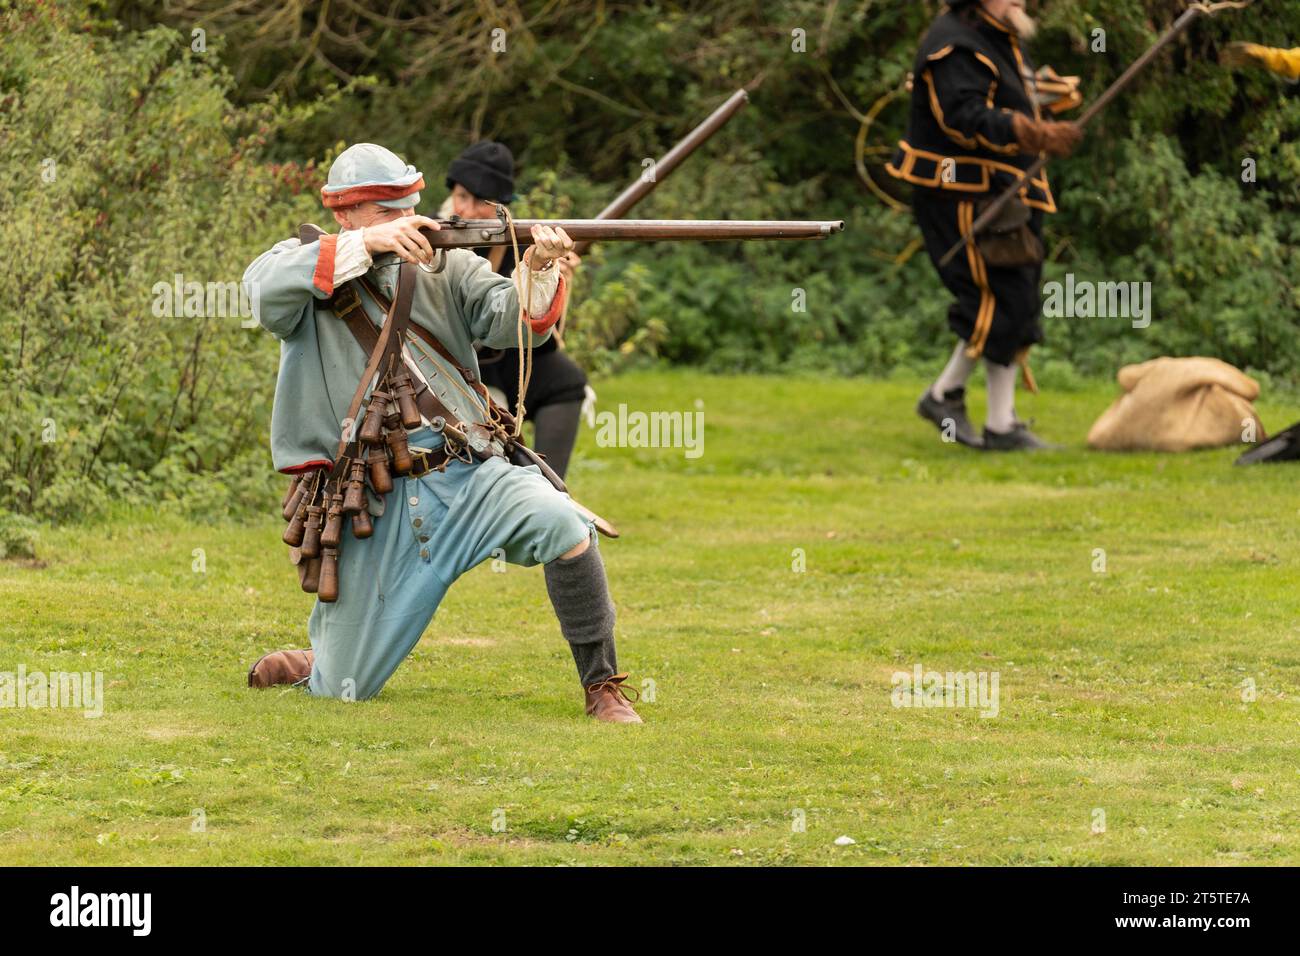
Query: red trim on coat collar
{"x": 323, "y": 277}
{"x": 360, "y": 194}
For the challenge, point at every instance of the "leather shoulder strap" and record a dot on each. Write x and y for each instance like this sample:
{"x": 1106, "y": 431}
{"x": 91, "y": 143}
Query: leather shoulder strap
{"x": 388, "y": 342}
{"x": 434, "y": 343}
{"x": 428, "y": 337}
{"x": 346, "y": 305}
{"x": 309, "y": 233}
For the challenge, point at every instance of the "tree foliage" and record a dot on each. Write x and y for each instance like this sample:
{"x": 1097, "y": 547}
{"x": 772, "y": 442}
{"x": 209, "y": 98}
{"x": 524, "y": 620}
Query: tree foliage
{"x": 190, "y": 134}
{"x": 590, "y": 88}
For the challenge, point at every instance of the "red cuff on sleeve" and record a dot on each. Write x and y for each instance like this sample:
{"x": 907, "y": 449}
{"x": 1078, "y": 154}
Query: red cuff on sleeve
{"x": 323, "y": 277}
{"x": 307, "y": 466}
{"x": 544, "y": 324}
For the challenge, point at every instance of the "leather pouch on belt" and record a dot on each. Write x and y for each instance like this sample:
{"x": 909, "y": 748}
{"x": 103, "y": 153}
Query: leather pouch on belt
{"x": 1008, "y": 241}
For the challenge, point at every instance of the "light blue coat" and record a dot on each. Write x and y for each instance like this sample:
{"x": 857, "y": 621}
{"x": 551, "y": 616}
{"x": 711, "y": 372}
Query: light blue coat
{"x": 321, "y": 363}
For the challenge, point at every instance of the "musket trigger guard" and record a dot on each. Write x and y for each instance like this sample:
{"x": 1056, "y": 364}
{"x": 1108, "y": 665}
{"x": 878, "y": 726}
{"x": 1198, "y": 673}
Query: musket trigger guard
{"x": 440, "y": 257}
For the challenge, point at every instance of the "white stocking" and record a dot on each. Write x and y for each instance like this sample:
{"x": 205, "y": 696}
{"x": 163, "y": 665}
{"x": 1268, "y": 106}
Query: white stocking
{"x": 954, "y": 374}
{"x": 1001, "y": 416}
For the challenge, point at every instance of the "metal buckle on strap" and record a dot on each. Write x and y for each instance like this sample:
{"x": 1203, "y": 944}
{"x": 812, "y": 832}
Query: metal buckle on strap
{"x": 345, "y": 302}
{"x": 424, "y": 460}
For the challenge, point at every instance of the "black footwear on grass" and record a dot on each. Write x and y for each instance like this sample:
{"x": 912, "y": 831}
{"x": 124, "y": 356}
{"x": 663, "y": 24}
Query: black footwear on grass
{"x": 1020, "y": 438}
{"x": 949, "y": 415}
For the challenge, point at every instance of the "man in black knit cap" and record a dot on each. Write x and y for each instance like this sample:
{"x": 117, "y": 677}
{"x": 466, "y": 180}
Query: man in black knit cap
{"x": 480, "y": 176}
{"x": 977, "y": 121}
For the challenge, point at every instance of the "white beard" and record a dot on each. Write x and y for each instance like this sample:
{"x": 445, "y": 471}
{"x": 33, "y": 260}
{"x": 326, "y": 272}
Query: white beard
{"x": 1024, "y": 25}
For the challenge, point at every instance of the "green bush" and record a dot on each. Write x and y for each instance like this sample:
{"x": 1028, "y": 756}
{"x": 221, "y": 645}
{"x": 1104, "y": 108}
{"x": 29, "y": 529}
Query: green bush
{"x": 1220, "y": 264}
{"x": 18, "y": 536}
{"x": 125, "y": 166}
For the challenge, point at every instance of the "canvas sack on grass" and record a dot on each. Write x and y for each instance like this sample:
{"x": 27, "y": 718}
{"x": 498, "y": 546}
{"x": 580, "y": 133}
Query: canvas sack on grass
{"x": 1177, "y": 404}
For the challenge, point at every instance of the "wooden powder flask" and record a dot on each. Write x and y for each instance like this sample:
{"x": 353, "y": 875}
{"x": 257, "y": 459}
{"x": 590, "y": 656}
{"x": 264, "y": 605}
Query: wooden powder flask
{"x": 362, "y": 525}
{"x": 397, "y": 445}
{"x": 332, "y": 535}
{"x": 311, "y": 577}
{"x": 405, "y": 392}
{"x": 328, "y": 589}
{"x": 293, "y": 497}
{"x": 311, "y": 536}
{"x": 381, "y": 479}
{"x": 450, "y": 432}
{"x": 293, "y": 486}
{"x": 293, "y": 533}
{"x": 355, "y": 499}
{"x": 372, "y": 426}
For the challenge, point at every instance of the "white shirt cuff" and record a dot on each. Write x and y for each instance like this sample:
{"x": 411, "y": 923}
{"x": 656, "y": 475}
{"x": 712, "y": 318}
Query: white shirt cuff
{"x": 545, "y": 285}
{"x": 350, "y": 256}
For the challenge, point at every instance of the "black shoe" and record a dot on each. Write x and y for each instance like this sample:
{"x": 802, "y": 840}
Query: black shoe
{"x": 1020, "y": 438}
{"x": 950, "y": 416}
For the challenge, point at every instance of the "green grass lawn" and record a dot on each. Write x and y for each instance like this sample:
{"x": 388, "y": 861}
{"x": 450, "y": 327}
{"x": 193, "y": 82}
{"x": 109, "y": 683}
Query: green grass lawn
{"x": 1121, "y": 693}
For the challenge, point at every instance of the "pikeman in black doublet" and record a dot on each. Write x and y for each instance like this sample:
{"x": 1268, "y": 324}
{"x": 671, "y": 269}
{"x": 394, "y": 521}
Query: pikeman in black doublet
{"x": 977, "y": 122}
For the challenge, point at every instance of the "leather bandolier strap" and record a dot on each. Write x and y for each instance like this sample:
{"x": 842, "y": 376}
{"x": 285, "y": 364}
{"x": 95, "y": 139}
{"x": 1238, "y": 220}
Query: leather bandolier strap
{"x": 317, "y": 505}
{"x": 381, "y": 345}
{"x": 346, "y": 305}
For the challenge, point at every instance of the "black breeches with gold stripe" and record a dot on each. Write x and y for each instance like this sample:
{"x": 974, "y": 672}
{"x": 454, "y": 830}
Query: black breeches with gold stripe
{"x": 998, "y": 312}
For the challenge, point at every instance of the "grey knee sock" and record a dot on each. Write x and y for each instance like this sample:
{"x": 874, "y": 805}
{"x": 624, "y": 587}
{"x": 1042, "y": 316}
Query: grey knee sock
{"x": 556, "y": 431}
{"x": 580, "y": 595}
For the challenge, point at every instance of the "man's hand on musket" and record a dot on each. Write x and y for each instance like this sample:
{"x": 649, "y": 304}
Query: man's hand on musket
{"x": 402, "y": 236}
{"x": 549, "y": 244}
{"x": 568, "y": 264}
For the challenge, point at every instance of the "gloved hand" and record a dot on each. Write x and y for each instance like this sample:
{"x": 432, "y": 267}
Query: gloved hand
{"x": 1043, "y": 136}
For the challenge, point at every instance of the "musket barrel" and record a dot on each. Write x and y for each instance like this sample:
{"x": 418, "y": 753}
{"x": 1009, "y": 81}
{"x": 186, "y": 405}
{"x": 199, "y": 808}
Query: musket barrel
{"x": 467, "y": 233}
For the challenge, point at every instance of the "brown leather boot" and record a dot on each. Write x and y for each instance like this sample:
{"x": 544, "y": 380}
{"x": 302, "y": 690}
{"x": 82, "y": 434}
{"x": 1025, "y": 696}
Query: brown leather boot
{"x": 608, "y": 701}
{"x": 281, "y": 667}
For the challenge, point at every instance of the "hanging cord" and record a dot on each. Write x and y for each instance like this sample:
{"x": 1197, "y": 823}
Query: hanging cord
{"x": 557, "y": 333}
{"x": 523, "y": 327}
